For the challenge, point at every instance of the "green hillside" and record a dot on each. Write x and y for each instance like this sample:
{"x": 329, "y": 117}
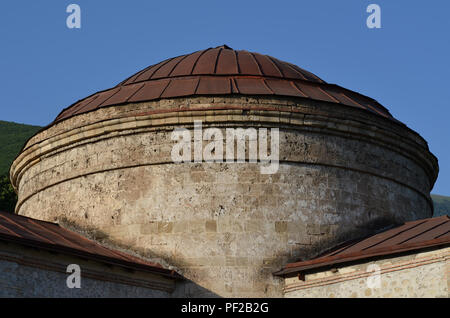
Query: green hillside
{"x": 12, "y": 138}
{"x": 441, "y": 204}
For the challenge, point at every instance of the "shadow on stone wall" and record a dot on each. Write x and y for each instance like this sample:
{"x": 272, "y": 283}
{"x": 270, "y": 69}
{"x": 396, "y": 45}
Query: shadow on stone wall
{"x": 325, "y": 245}
{"x": 190, "y": 289}
{"x": 183, "y": 289}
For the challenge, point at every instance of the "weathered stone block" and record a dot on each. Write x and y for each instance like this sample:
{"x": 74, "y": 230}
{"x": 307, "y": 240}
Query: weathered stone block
{"x": 211, "y": 226}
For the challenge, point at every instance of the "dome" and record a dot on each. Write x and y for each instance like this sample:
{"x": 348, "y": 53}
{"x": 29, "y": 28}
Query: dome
{"x": 343, "y": 168}
{"x": 222, "y": 71}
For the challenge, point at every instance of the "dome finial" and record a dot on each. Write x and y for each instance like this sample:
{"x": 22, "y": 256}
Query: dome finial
{"x": 224, "y": 47}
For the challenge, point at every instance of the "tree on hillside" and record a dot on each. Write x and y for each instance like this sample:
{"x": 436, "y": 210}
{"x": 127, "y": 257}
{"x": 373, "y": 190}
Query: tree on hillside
{"x": 8, "y": 197}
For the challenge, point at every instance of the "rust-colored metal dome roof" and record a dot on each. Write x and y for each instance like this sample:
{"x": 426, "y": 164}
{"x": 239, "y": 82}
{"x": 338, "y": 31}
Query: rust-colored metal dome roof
{"x": 222, "y": 71}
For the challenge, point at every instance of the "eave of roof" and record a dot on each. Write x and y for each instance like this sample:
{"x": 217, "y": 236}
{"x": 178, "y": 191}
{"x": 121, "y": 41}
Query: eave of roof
{"x": 51, "y": 237}
{"x": 410, "y": 236}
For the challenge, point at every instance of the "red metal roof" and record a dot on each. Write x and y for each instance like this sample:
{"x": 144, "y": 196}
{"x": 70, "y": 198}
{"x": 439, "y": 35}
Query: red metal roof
{"x": 222, "y": 71}
{"x": 50, "y": 236}
{"x": 410, "y": 236}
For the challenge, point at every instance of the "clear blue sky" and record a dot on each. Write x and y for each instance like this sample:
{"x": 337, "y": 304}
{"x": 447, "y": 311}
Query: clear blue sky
{"x": 405, "y": 65}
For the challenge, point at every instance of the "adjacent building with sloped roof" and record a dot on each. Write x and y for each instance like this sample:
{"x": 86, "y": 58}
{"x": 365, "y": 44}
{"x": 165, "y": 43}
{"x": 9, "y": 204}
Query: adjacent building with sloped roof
{"x": 35, "y": 260}
{"x": 410, "y": 260}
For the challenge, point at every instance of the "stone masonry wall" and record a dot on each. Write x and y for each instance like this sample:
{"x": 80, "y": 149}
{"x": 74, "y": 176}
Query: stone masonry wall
{"x": 343, "y": 172}
{"x": 28, "y": 272}
{"x": 423, "y": 274}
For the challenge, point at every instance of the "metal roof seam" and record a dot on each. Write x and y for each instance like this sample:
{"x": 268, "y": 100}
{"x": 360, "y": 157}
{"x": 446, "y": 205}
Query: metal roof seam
{"x": 152, "y": 71}
{"x": 275, "y": 65}
{"x": 445, "y": 233}
{"x": 50, "y": 230}
{"x": 419, "y": 234}
{"x": 176, "y": 64}
{"x": 76, "y": 106}
{"x": 165, "y": 87}
{"x": 237, "y": 62}
{"x": 196, "y": 60}
{"x": 196, "y": 85}
{"x": 394, "y": 235}
{"x": 303, "y": 92}
{"x": 25, "y": 229}
{"x": 233, "y": 85}
{"x": 129, "y": 80}
{"x": 217, "y": 60}
{"x": 257, "y": 63}
{"x": 329, "y": 95}
{"x": 10, "y": 231}
{"x": 297, "y": 89}
{"x": 80, "y": 109}
{"x": 368, "y": 105}
{"x": 109, "y": 97}
{"x": 267, "y": 86}
{"x": 135, "y": 92}
{"x": 298, "y": 70}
